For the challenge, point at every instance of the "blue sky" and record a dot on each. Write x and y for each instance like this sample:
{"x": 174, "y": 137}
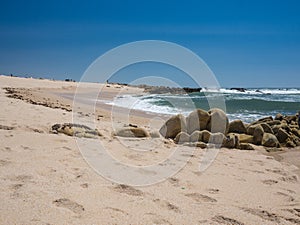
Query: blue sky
{"x": 246, "y": 43}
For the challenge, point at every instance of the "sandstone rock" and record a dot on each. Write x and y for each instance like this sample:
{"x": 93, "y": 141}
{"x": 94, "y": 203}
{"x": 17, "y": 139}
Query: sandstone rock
{"x": 231, "y": 141}
{"x": 201, "y": 144}
{"x": 274, "y": 122}
{"x": 218, "y": 121}
{"x": 182, "y": 137}
{"x": 205, "y": 136}
{"x": 173, "y": 126}
{"x": 251, "y": 128}
{"x": 270, "y": 140}
{"x": 258, "y": 135}
{"x": 237, "y": 126}
{"x": 197, "y": 120}
{"x": 290, "y": 144}
{"x": 137, "y": 132}
{"x": 245, "y": 146}
{"x": 279, "y": 116}
{"x": 267, "y": 128}
{"x": 282, "y": 135}
{"x": 76, "y": 130}
{"x": 263, "y": 120}
{"x": 289, "y": 119}
{"x": 296, "y": 132}
{"x": 217, "y": 139}
{"x": 196, "y": 136}
{"x": 245, "y": 138}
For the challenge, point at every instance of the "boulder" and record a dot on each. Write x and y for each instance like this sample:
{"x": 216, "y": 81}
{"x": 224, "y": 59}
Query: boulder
{"x": 251, "y": 128}
{"x": 182, "y": 137}
{"x": 282, "y": 135}
{"x": 237, "y": 126}
{"x": 76, "y": 130}
{"x": 196, "y": 136}
{"x": 217, "y": 138}
{"x": 296, "y": 132}
{"x": 197, "y": 120}
{"x": 205, "y": 136}
{"x": 154, "y": 134}
{"x": 267, "y": 128}
{"x": 245, "y": 138}
{"x": 129, "y": 132}
{"x": 201, "y": 144}
{"x": 218, "y": 121}
{"x": 289, "y": 119}
{"x": 274, "y": 122}
{"x": 290, "y": 144}
{"x": 245, "y": 146}
{"x": 263, "y": 120}
{"x": 269, "y": 140}
{"x": 279, "y": 116}
{"x": 173, "y": 126}
{"x": 230, "y": 141}
{"x": 258, "y": 135}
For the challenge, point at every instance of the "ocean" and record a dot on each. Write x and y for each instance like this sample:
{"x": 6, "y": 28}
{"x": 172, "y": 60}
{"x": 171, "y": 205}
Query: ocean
{"x": 248, "y": 106}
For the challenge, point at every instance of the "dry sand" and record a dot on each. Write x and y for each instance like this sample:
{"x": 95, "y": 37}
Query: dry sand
{"x": 45, "y": 180}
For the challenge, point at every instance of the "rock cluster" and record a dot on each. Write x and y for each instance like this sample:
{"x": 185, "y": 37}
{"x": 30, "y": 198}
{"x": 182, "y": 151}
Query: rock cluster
{"x": 76, "y": 130}
{"x": 202, "y": 128}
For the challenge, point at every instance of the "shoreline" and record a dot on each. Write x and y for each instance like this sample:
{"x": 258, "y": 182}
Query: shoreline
{"x": 45, "y": 179}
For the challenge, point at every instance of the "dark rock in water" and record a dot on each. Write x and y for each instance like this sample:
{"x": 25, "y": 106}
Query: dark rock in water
{"x": 197, "y": 120}
{"x": 237, "y": 126}
{"x": 218, "y": 121}
{"x": 191, "y": 90}
{"x": 137, "y": 132}
{"x": 270, "y": 140}
{"x": 171, "y": 90}
{"x": 77, "y": 130}
{"x": 173, "y": 126}
{"x": 239, "y": 89}
{"x": 182, "y": 137}
{"x": 259, "y": 91}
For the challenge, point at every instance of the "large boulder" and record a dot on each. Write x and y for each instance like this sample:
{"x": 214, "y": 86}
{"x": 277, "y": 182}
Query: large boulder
{"x": 269, "y": 140}
{"x": 217, "y": 138}
{"x": 282, "y": 135}
{"x": 237, "y": 126}
{"x": 245, "y": 138}
{"x": 251, "y": 128}
{"x": 173, "y": 126}
{"x": 197, "y": 120}
{"x": 267, "y": 128}
{"x": 258, "y": 135}
{"x": 196, "y": 136}
{"x": 231, "y": 141}
{"x": 218, "y": 121}
{"x": 137, "y": 132}
{"x": 205, "y": 136}
{"x": 182, "y": 137}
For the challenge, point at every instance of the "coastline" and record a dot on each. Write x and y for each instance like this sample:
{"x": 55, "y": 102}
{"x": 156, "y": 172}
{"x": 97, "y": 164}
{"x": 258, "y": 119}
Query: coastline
{"x": 44, "y": 177}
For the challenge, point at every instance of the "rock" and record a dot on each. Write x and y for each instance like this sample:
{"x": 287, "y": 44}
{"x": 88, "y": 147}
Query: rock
{"x": 258, "y": 135}
{"x": 251, "y": 128}
{"x": 290, "y": 144}
{"x": 154, "y": 134}
{"x": 201, "y": 144}
{"x": 267, "y": 128}
{"x": 274, "y": 122}
{"x": 231, "y": 141}
{"x": 239, "y": 89}
{"x": 196, "y": 136}
{"x": 296, "y": 132}
{"x": 217, "y": 138}
{"x": 182, "y": 137}
{"x": 218, "y": 121}
{"x": 269, "y": 140}
{"x": 237, "y": 126}
{"x": 173, "y": 126}
{"x": 197, "y": 120}
{"x": 289, "y": 119}
{"x": 279, "y": 116}
{"x": 205, "y": 136}
{"x": 282, "y": 135}
{"x": 245, "y": 138}
{"x": 263, "y": 120}
{"x": 246, "y": 146}
{"x": 276, "y": 128}
{"x": 76, "y": 130}
{"x": 137, "y": 132}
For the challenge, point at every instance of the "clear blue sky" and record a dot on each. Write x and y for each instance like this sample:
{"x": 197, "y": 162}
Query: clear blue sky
{"x": 246, "y": 43}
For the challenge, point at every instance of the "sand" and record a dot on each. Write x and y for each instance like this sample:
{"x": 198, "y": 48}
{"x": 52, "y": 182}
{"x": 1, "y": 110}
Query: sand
{"x": 45, "y": 180}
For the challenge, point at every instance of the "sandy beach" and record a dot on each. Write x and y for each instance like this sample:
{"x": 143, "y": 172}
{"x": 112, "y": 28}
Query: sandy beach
{"x": 45, "y": 180}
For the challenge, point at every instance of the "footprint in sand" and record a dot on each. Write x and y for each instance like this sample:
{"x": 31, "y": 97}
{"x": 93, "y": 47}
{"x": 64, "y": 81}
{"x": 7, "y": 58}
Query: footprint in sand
{"x": 270, "y": 182}
{"x": 122, "y": 188}
{"x": 68, "y": 204}
{"x": 287, "y": 197}
{"x": 4, "y": 162}
{"x": 116, "y": 210}
{"x": 200, "y": 198}
{"x": 225, "y": 220}
{"x": 263, "y": 214}
{"x": 213, "y": 190}
{"x": 168, "y": 205}
{"x": 289, "y": 179}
